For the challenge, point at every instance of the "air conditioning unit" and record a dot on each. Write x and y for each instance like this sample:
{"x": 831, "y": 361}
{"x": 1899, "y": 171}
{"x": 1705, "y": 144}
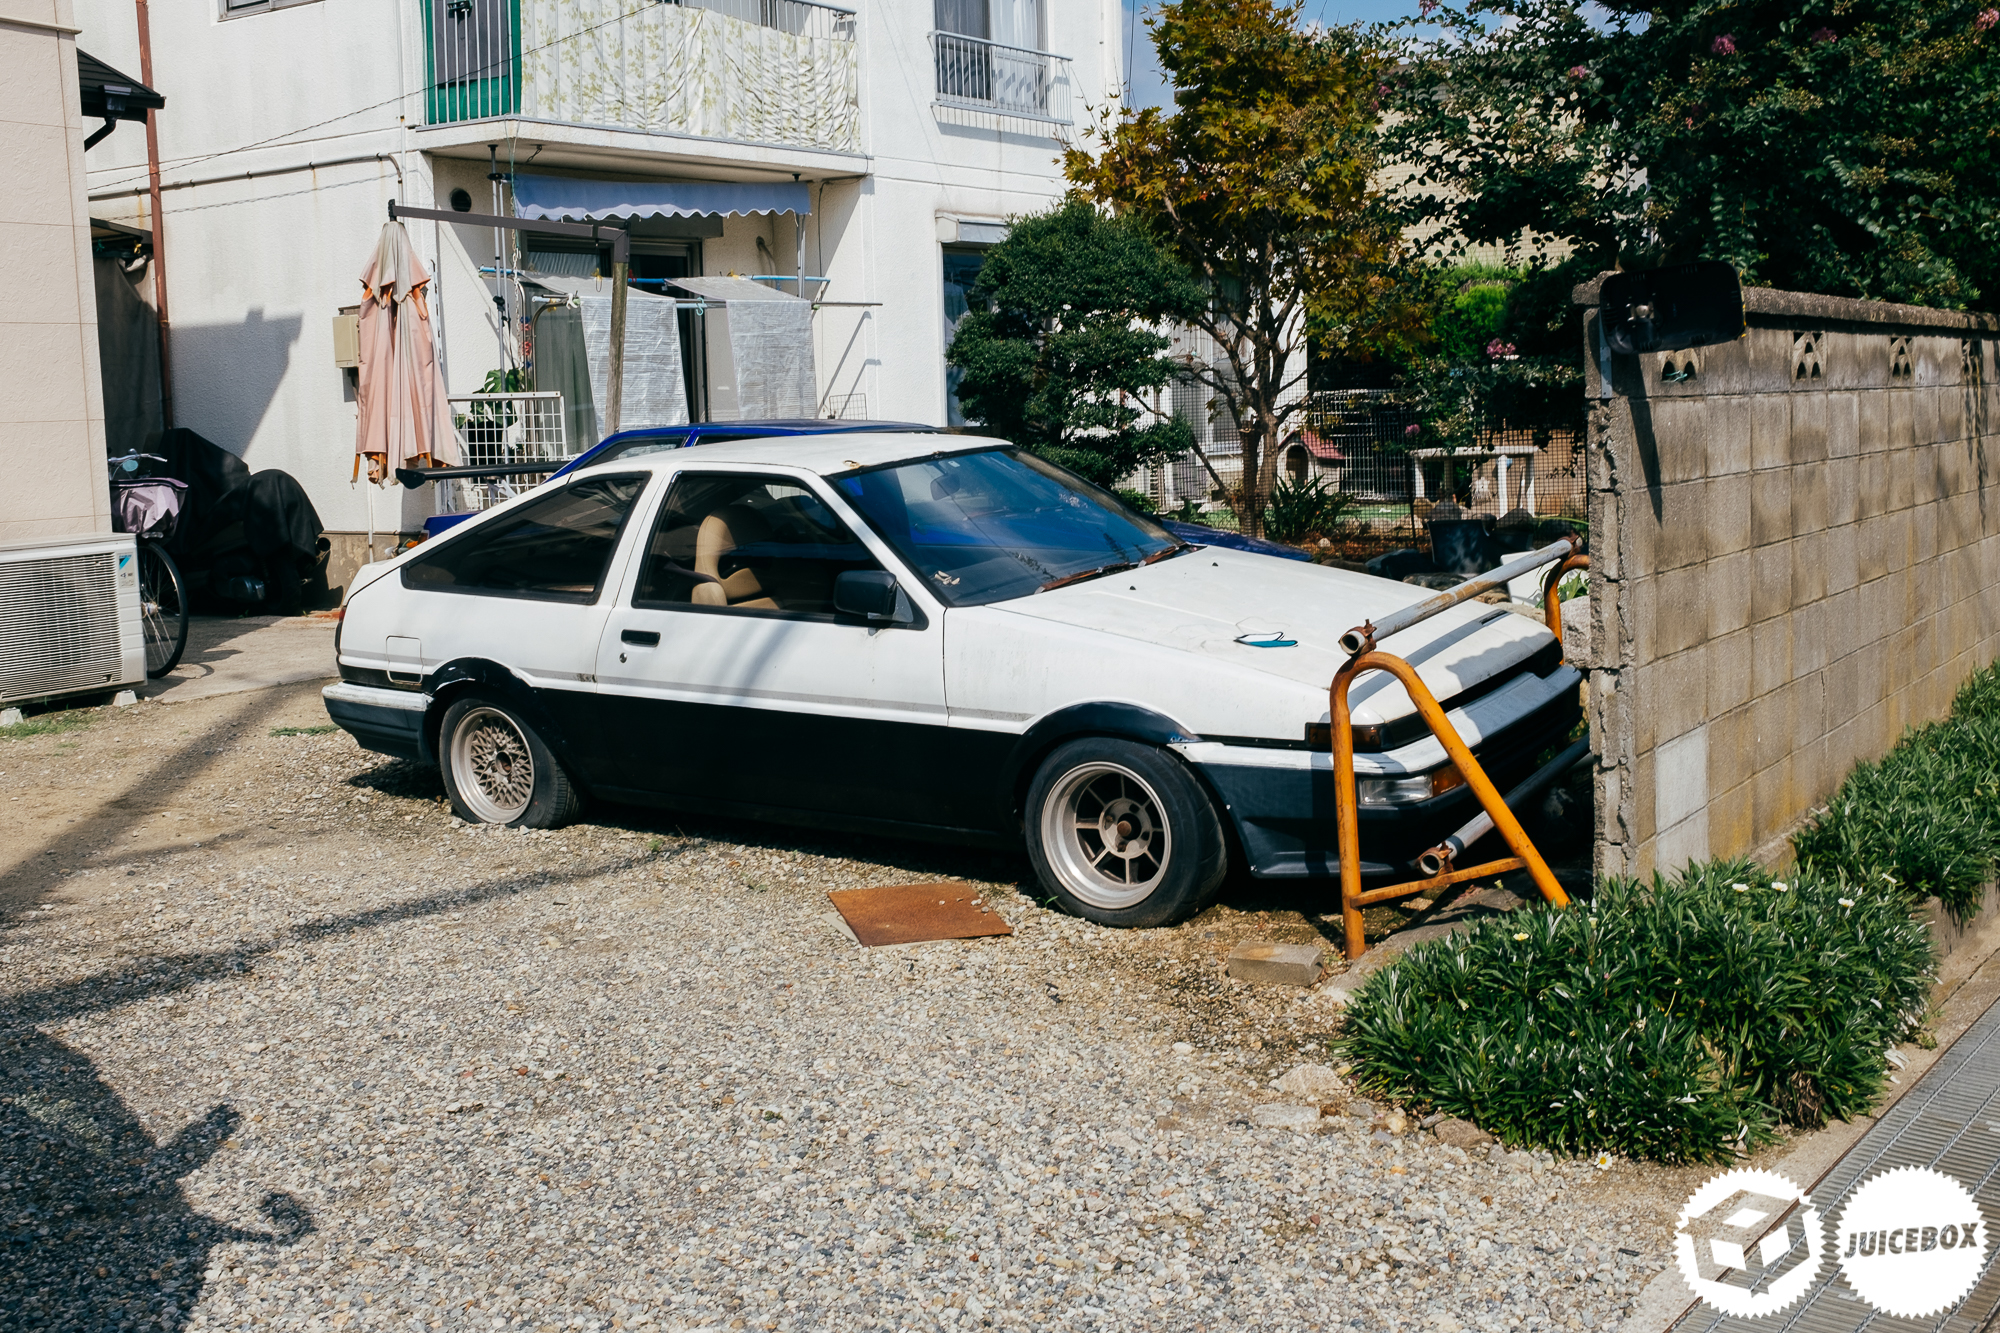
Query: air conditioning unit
{"x": 69, "y": 616}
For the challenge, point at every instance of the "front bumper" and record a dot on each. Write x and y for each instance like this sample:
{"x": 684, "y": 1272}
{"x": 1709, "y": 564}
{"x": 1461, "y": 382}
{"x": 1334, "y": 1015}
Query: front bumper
{"x": 1283, "y": 806}
{"x": 385, "y": 721}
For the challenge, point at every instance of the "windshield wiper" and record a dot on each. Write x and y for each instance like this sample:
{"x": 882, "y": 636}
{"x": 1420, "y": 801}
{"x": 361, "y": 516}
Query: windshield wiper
{"x": 1158, "y": 556}
{"x": 1068, "y": 579}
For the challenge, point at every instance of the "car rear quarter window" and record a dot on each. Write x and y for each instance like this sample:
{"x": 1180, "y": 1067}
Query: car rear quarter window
{"x": 556, "y": 548}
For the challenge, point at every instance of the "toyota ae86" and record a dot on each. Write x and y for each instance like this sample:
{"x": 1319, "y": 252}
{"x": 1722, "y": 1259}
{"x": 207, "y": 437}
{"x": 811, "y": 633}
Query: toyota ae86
{"x": 963, "y": 643}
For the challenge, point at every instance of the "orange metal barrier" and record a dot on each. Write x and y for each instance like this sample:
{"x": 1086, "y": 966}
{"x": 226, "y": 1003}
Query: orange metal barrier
{"x": 1347, "y": 804}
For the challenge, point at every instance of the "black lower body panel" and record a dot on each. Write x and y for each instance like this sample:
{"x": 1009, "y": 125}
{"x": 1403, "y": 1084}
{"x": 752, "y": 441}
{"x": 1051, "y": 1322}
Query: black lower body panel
{"x": 1286, "y": 818}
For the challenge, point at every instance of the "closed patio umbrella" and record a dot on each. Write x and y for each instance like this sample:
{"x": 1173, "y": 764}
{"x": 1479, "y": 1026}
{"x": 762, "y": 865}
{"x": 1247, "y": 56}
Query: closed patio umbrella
{"x": 404, "y": 419}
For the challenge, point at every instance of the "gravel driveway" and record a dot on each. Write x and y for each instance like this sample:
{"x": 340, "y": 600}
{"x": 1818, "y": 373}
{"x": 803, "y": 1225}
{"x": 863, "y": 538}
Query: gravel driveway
{"x": 280, "y": 1044}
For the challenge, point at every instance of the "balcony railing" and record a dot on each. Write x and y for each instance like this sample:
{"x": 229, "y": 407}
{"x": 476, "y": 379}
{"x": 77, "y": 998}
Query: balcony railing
{"x": 1008, "y": 80}
{"x": 800, "y": 18}
{"x": 754, "y": 71}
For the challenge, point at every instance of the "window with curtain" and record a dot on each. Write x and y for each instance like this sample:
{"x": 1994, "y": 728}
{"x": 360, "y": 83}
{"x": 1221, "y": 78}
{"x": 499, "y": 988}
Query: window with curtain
{"x": 989, "y": 51}
{"x": 1008, "y": 22}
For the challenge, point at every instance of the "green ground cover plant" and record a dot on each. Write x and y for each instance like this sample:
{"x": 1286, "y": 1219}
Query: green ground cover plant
{"x": 1680, "y": 1020}
{"x": 1926, "y": 817}
{"x": 46, "y": 724}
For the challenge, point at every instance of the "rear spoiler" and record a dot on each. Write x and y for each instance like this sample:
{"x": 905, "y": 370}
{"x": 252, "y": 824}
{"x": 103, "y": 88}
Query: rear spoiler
{"x": 414, "y": 477}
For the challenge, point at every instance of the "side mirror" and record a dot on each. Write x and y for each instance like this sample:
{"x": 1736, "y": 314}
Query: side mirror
{"x": 1667, "y": 309}
{"x": 866, "y": 592}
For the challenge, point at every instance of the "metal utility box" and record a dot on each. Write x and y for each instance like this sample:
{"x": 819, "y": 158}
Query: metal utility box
{"x": 69, "y": 616}
{"x": 347, "y": 337}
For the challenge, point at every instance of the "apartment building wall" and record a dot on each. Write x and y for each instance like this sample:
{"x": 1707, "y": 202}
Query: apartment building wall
{"x": 291, "y": 127}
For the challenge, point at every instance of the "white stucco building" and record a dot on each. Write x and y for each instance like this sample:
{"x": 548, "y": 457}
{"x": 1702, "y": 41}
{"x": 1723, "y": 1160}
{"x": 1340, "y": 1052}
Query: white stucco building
{"x": 915, "y": 127}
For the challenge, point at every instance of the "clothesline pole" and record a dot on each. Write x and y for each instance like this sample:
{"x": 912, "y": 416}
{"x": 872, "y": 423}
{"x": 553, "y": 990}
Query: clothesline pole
{"x": 614, "y": 387}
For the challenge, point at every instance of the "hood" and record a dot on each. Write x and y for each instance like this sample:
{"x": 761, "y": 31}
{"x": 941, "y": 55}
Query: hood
{"x": 1221, "y": 604}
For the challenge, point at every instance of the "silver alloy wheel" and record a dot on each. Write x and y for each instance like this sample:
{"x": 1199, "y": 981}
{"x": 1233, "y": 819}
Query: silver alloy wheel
{"x": 493, "y": 765}
{"x": 1105, "y": 833}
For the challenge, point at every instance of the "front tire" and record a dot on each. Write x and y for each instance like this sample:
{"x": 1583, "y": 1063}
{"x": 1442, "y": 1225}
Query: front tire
{"x": 498, "y": 771}
{"x": 1123, "y": 835}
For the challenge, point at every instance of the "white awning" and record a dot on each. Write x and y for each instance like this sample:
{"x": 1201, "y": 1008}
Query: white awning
{"x": 559, "y": 197}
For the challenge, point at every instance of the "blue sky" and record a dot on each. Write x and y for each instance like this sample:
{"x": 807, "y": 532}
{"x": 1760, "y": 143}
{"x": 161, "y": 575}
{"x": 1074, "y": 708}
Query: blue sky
{"x": 1149, "y": 86}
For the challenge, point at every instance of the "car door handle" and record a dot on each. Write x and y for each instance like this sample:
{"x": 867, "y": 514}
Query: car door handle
{"x": 644, "y": 638}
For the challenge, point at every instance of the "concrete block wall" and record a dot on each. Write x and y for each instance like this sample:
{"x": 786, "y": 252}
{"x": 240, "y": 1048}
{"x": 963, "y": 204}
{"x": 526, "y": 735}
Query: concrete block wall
{"x": 1796, "y": 556}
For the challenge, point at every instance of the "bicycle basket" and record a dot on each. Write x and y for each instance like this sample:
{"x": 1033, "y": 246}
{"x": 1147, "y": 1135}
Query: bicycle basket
{"x": 148, "y": 506}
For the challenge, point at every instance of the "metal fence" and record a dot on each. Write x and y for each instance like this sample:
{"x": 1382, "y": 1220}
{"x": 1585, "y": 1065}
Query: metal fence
{"x": 504, "y": 428}
{"x": 1361, "y": 442}
{"x": 1011, "y": 80}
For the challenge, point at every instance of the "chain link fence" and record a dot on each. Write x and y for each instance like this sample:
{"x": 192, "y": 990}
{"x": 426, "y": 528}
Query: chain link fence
{"x": 1360, "y": 442}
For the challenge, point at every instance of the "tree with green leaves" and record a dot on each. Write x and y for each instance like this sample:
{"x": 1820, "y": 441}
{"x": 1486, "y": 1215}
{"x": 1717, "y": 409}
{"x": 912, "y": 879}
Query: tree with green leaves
{"x": 1062, "y": 335}
{"x": 1837, "y": 146}
{"x": 1259, "y": 182}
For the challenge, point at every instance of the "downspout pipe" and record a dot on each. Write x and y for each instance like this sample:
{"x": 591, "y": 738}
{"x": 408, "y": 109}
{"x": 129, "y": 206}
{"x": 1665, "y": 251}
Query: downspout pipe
{"x": 159, "y": 222}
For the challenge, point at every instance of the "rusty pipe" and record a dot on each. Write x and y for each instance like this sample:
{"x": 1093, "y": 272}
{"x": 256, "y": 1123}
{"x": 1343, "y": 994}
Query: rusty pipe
{"x": 1357, "y": 640}
{"x": 1347, "y": 807}
{"x": 1437, "y": 859}
{"x": 1551, "y": 589}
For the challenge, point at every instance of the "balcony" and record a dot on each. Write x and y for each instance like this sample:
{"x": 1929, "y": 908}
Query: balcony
{"x": 974, "y": 74}
{"x": 780, "y": 72}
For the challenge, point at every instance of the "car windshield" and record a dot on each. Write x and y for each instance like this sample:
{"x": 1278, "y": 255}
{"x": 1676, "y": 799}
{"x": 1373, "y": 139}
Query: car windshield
{"x": 1000, "y": 523}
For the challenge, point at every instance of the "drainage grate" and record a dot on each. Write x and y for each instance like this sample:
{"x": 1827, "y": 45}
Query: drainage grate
{"x": 1949, "y": 1121}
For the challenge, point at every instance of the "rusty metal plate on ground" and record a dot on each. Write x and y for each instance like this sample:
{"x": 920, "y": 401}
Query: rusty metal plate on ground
{"x": 913, "y": 913}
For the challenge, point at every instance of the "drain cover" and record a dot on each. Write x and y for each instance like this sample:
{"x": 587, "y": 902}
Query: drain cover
{"x": 912, "y": 913}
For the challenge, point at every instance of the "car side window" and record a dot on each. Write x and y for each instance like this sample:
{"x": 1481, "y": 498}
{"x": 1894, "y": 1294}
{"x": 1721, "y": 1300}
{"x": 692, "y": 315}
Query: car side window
{"x": 736, "y": 541}
{"x": 554, "y": 549}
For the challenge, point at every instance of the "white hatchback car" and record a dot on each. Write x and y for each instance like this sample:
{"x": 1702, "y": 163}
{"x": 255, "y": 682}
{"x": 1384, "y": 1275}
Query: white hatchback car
{"x": 940, "y": 637}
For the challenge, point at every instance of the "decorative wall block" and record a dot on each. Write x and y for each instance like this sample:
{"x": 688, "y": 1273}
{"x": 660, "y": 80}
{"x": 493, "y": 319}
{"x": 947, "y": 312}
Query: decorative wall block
{"x": 1681, "y": 367}
{"x": 1808, "y": 348}
{"x": 1902, "y": 367}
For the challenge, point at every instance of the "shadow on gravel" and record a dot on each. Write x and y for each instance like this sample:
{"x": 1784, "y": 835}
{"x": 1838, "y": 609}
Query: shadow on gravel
{"x": 993, "y": 865}
{"x": 168, "y": 974}
{"x": 96, "y": 1231}
{"x": 117, "y": 814}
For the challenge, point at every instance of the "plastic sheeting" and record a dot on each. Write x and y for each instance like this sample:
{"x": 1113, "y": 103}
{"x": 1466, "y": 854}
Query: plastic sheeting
{"x": 770, "y": 347}
{"x": 771, "y": 342}
{"x": 562, "y": 364}
{"x": 687, "y": 70}
{"x": 128, "y": 358}
{"x": 655, "y": 387}
{"x": 558, "y": 197}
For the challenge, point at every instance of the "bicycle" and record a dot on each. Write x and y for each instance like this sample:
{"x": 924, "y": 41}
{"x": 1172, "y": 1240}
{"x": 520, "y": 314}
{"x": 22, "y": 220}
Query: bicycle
{"x": 150, "y": 509}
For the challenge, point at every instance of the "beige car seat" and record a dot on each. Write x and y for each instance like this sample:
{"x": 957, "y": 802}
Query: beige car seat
{"x": 721, "y": 532}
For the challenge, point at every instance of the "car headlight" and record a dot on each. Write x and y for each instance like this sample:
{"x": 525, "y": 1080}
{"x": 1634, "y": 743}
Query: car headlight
{"x": 1410, "y": 790}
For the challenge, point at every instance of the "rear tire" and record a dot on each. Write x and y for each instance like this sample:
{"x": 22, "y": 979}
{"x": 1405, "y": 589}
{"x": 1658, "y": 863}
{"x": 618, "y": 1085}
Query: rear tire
{"x": 1122, "y": 834}
{"x": 498, "y": 771}
{"x": 163, "y": 615}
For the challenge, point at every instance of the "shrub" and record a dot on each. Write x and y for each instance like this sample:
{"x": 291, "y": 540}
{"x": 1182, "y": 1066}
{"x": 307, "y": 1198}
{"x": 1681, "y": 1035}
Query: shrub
{"x": 1927, "y": 815}
{"x": 1678, "y": 1020}
{"x": 1308, "y": 508}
